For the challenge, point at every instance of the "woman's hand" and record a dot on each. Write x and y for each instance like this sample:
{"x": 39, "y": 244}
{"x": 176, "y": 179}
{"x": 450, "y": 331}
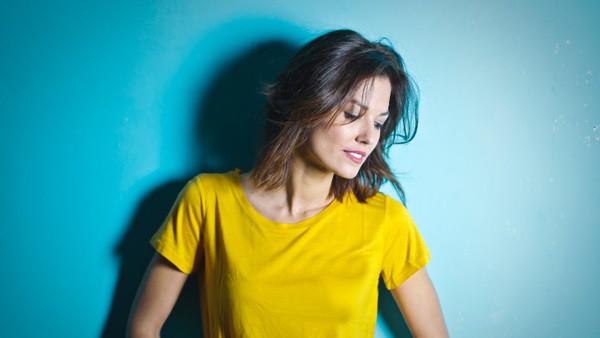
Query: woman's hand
{"x": 420, "y": 306}
{"x": 155, "y": 299}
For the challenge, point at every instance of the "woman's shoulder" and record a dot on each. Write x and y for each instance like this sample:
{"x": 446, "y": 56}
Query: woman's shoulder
{"x": 378, "y": 201}
{"x": 380, "y": 209}
{"x": 216, "y": 178}
{"x": 207, "y": 183}
{"x": 379, "y": 204}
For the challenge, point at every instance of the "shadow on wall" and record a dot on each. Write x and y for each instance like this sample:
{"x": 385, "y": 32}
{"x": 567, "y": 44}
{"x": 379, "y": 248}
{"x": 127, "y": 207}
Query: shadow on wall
{"x": 231, "y": 116}
{"x": 228, "y": 132}
{"x": 390, "y": 314}
{"x": 135, "y": 254}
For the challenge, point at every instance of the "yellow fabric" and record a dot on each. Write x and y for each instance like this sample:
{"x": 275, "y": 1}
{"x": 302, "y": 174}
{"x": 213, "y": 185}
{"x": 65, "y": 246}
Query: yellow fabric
{"x": 314, "y": 278}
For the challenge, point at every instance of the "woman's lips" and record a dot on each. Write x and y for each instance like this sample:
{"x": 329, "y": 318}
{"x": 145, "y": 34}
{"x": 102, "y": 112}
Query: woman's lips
{"x": 356, "y": 156}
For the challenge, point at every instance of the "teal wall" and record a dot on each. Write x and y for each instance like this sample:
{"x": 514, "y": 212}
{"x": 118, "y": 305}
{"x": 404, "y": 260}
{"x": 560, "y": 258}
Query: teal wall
{"x": 108, "y": 107}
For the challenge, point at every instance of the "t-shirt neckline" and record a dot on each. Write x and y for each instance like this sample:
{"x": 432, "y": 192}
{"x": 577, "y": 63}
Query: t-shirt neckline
{"x": 249, "y": 208}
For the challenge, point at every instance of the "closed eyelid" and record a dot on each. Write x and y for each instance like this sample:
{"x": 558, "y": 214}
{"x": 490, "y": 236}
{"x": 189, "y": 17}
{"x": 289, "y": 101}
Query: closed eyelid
{"x": 351, "y": 114}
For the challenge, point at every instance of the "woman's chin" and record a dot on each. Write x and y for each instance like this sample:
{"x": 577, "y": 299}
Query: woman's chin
{"x": 348, "y": 174}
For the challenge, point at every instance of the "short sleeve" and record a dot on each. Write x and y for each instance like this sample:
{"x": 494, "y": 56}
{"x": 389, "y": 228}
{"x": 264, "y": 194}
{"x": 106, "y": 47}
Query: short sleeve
{"x": 178, "y": 238}
{"x": 405, "y": 252}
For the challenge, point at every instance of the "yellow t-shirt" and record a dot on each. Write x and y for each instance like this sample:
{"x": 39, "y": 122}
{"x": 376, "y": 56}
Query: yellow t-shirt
{"x": 314, "y": 278}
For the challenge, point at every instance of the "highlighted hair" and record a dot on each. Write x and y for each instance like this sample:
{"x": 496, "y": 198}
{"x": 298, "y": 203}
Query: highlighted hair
{"x": 319, "y": 79}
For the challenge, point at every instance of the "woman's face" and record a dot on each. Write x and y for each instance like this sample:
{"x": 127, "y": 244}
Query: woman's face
{"x": 342, "y": 147}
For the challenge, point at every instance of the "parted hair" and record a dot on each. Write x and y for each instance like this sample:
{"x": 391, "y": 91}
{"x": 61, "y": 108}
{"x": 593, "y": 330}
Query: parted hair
{"x": 319, "y": 79}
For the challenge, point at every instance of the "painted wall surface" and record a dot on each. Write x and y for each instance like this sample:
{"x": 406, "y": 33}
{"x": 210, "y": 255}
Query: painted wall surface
{"x": 107, "y": 108}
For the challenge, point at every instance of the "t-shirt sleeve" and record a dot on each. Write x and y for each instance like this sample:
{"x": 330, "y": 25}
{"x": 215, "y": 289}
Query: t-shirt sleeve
{"x": 405, "y": 252}
{"x": 178, "y": 239}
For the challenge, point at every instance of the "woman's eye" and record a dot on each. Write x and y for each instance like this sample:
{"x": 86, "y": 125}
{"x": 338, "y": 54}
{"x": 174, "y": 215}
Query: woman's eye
{"x": 378, "y": 125}
{"x": 350, "y": 115}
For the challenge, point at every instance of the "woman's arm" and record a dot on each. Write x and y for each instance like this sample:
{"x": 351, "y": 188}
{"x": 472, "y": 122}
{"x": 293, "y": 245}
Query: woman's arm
{"x": 420, "y": 306}
{"x": 155, "y": 298}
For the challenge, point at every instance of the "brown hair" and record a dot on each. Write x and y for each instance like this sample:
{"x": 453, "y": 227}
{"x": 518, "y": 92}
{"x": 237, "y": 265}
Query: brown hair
{"x": 317, "y": 81}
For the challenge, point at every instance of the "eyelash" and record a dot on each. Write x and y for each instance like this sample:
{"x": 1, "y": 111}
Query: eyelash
{"x": 350, "y": 116}
{"x": 353, "y": 116}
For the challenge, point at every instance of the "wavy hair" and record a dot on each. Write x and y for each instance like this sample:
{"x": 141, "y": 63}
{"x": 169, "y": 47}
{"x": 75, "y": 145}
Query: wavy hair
{"x": 319, "y": 79}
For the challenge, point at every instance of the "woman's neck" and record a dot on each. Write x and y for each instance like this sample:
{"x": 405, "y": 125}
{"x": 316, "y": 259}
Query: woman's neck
{"x": 307, "y": 187}
{"x": 306, "y": 193}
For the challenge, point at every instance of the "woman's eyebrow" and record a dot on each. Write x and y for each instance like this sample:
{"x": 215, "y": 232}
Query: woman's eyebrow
{"x": 360, "y": 104}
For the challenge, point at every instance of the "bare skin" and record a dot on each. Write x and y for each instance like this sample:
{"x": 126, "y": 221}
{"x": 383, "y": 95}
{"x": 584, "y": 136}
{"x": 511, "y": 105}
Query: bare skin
{"x": 334, "y": 150}
{"x": 420, "y": 306}
{"x": 155, "y": 299}
{"x": 291, "y": 205}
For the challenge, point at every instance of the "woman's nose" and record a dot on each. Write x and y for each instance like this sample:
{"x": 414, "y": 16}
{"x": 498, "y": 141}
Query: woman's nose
{"x": 367, "y": 132}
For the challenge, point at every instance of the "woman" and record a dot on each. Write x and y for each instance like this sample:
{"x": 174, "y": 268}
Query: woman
{"x": 296, "y": 247}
